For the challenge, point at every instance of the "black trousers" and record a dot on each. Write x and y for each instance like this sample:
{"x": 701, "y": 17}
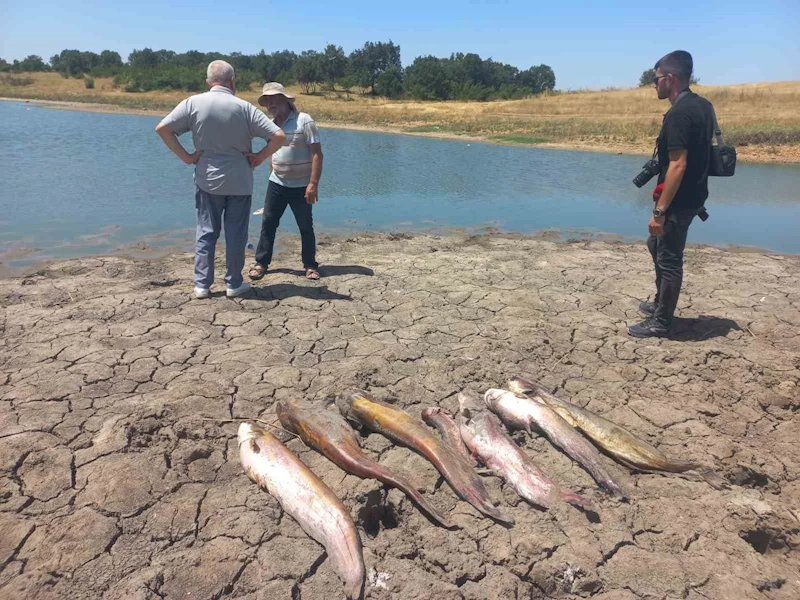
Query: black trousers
{"x": 277, "y": 199}
{"x": 667, "y": 253}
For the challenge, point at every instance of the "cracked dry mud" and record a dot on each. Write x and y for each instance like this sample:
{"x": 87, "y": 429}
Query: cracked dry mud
{"x": 113, "y": 486}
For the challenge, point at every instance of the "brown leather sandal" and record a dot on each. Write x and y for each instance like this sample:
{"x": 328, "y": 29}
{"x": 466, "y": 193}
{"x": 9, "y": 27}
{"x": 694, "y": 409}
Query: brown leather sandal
{"x": 257, "y": 271}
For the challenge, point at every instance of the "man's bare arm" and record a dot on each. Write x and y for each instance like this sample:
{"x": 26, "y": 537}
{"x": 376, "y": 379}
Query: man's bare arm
{"x": 172, "y": 142}
{"x": 673, "y": 178}
{"x": 274, "y": 144}
{"x": 672, "y": 181}
{"x": 312, "y": 194}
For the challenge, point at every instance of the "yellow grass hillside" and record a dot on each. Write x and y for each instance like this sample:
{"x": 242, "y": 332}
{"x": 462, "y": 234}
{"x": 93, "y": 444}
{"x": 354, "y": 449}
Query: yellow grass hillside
{"x": 762, "y": 119}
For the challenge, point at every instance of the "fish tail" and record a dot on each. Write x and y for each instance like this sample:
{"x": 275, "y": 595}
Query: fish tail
{"x": 712, "y": 478}
{"x": 354, "y": 586}
{"x": 616, "y": 489}
{"x": 467, "y": 485}
{"x": 404, "y": 486}
{"x": 479, "y": 498}
{"x": 698, "y": 471}
{"x": 577, "y": 500}
{"x": 491, "y": 510}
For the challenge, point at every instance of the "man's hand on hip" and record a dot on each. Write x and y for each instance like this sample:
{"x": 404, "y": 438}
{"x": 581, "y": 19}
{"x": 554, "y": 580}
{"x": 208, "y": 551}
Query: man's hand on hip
{"x": 192, "y": 158}
{"x": 311, "y": 194}
{"x": 657, "y": 226}
{"x": 255, "y": 158}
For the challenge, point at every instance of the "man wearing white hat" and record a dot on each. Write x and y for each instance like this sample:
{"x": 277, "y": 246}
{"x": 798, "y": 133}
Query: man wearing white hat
{"x": 296, "y": 170}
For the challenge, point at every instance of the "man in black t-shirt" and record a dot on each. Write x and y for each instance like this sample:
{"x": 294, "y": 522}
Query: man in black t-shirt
{"x": 684, "y": 154}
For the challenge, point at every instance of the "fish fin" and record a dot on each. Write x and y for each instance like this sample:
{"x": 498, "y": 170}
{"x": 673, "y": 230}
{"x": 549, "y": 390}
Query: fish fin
{"x": 712, "y": 478}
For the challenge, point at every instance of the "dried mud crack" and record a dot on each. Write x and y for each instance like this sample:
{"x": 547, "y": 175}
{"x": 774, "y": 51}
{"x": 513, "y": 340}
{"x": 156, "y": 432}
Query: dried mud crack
{"x": 114, "y": 486}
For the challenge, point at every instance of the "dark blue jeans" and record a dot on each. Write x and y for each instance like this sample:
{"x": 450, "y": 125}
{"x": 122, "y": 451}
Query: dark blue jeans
{"x": 277, "y": 199}
{"x": 667, "y": 253}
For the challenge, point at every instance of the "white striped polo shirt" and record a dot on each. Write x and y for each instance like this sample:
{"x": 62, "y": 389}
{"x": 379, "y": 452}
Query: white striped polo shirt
{"x": 291, "y": 164}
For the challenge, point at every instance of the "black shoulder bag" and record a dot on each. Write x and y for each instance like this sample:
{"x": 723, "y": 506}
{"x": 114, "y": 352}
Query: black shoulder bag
{"x": 723, "y": 156}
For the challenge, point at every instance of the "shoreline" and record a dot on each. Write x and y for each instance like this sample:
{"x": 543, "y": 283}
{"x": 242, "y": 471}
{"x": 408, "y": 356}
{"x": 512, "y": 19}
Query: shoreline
{"x": 142, "y": 251}
{"x": 785, "y": 155}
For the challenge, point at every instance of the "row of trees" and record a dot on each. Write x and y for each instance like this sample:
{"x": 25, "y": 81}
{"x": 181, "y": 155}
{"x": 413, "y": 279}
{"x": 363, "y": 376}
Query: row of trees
{"x": 374, "y": 68}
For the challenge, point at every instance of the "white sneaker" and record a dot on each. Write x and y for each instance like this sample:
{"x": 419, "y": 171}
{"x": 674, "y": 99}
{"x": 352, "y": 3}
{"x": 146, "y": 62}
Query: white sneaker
{"x": 201, "y": 293}
{"x": 239, "y": 291}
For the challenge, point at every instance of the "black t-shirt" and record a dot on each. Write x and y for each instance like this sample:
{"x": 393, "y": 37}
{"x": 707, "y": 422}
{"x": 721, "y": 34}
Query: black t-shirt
{"x": 688, "y": 125}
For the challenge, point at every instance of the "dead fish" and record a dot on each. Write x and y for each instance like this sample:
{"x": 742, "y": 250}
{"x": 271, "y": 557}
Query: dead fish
{"x": 398, "y": 425}
{"x": 520, "y": 411}
{"x": 619, "y": 443}
{"x": 486, "y": 438}
{"x": 436, "y": 417}
{"x": 307, "y": 499}
{"x": 329, "y": 434}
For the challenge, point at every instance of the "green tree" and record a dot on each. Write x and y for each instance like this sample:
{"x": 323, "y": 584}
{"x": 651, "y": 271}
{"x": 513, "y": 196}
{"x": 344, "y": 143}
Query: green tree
{"x": 334, "y": 64}
{"x": 281, "y": 67}
{"x": 240, "y": 62}
{"x": 143, "y": 59}
{"x": 32, "y": 63}
{"x": 110, "y": 59}
{"x": 70, "y": 63}
{"x": 390, "y": 83}
{"x": 647, "y": 77}
{"x": 538, "y": 79}
{"x": 374, "y": 58}
{"x": 426, "y": 79}
{"x": 308, "y": 70}
{"x": 5, "y": 67}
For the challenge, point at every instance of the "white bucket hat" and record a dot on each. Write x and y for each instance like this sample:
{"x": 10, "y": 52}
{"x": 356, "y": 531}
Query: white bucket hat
{"x": 274, "y": 88}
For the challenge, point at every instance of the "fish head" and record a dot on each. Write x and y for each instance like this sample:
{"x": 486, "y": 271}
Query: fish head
{"x": 249, "y": 431}
{"x": 469, "y": 405}
{"x": 283, "y": 410}
{"x": 526, "y": 386}
{"x": 518, "y": 385}
{"x": 293, "y": 413}
{"x": 493, "y": 396}
{"x": 354, "y": 405}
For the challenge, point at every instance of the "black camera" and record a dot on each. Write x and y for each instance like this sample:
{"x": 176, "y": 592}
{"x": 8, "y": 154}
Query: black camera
{"x": 650, "y": 169}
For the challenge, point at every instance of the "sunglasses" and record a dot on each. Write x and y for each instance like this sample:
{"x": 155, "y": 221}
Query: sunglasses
{"x": 658, "y": 77}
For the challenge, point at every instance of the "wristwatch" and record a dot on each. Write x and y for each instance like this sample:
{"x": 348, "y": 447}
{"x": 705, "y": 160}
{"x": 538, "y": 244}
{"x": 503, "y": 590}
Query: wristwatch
{"x": 658, "y": 213}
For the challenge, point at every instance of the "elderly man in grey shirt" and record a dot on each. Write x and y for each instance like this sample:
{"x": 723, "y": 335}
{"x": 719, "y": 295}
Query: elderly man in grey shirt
{"x": 222, "y": 127}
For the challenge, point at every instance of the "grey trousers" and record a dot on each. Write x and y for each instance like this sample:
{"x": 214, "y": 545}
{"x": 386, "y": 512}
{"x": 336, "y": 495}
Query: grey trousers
{"x": 212, "y": 213}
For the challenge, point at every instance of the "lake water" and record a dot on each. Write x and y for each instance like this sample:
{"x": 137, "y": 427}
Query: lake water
{"x": 81, "y": 183}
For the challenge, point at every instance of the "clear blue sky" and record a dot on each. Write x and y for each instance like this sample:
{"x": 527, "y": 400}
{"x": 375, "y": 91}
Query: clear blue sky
{"x": 588, "y": 44}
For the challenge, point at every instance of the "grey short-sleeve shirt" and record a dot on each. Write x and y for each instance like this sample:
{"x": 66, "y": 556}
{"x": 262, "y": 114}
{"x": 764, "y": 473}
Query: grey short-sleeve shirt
{"x": 222, "y": 126}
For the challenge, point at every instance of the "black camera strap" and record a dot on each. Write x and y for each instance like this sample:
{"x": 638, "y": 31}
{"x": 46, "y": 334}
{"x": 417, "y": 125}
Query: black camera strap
{"x": 717, "y": 130}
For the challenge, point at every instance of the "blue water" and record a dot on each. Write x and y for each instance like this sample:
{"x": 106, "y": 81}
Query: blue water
{"x": 80, "y": 183}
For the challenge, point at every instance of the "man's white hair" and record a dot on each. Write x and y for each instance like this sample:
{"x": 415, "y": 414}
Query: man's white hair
{"x": 220, "y": 72}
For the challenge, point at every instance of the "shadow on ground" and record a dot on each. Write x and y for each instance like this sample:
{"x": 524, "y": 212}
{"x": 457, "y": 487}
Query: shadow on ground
{"x": 328, "y": 271}
{"x": 702, "y": 328}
